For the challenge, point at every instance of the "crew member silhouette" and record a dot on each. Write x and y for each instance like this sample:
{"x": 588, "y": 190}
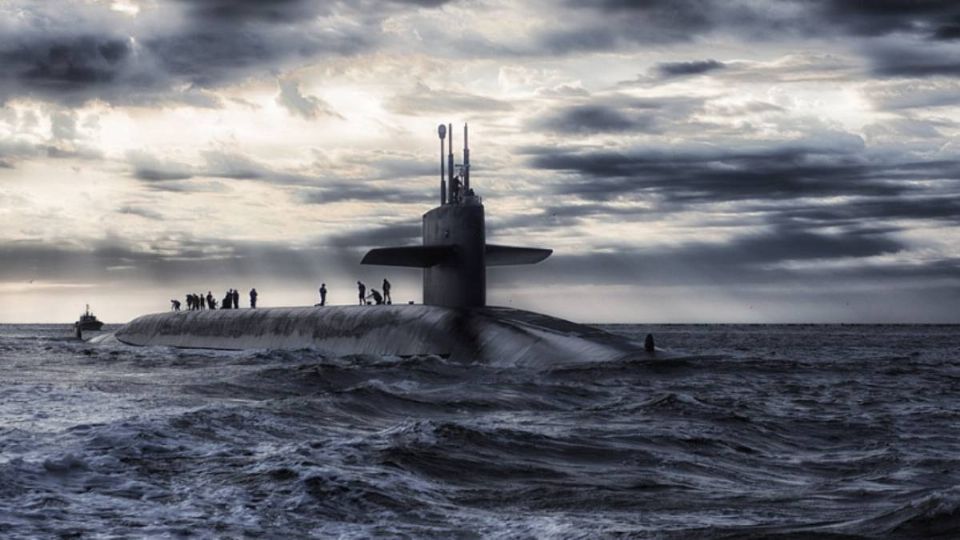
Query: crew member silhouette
{"x": 323, "y": 294}
{"x": 227, "y": 300}
{"x": 175, "y": 305}
{"x": 203, "y": 302}
{"x": 253, "y": 298}
{"x": 386, "y": 291}
{"x": 455, "y": 189}
{"x": 362, "y": 289}
{"x": 235, "y": 299}
{"x": 377, "y": 299}
{"x": 210, "y": 300}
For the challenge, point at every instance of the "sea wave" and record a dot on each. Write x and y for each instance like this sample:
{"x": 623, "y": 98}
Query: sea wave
{"x": 777, "y": 432}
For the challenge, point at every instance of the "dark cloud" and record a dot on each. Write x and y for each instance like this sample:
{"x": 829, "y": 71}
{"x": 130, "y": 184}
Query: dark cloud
{"x": 753, "y": 258}
{"x": 80, "y": 61}
{"x": 13, "y": 150}
{"x": 616, "y": 113}
{"x": 580, "y": 210}
{"x": 927, "y": 17}
{"x": 216, "y": 164}
{"x": 912, "y": 60}
{"x": 873, "y": 210}
{"x": 55, "y": 55}
{"x": 189, "y": 186}
{"x": 796, "y": 245}
{"x": 624, "y": 21}
{"x": 680, "y": 69}
{"x": 245, "y": 10}
{"x": 566, "y": 217}
{"x": 140, "y": 211}
{"x": 79, "y": 53}
{"x": 778, "y": 172}
{"x": 948, "y": 32}
{"x": 806, "y": 66}
{"x": 207, "y": 56}
{"x": 683, "y": 20}
{"x": 223, "y": 164}
{"x": 422, "y": 3}
{"x": 404, "y": 233}
{"x": 810, "y": 203}
{"x": 610, "y": 25}
{"x": 308, "y": 107}
{"x": 159, "y": 175}
{"x": 227, "y": 40}
{"x": 587, "y": 119}
{"x": 149, "y": 168}
{"x": 74, "y": 68}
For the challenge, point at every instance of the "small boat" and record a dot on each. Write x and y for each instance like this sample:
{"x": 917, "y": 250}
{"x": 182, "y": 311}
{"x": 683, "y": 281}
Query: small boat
{"x": 88, "y": 321}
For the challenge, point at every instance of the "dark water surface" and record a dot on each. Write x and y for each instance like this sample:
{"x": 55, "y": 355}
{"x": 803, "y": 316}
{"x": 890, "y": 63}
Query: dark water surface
{"x": 754, "y": 431}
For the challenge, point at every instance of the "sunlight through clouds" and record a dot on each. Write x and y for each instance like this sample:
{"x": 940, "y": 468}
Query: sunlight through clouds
{"x": 659, "y": 150}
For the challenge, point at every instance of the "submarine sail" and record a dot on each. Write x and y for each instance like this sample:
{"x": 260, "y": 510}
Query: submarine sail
{"x": 454, "y": 255}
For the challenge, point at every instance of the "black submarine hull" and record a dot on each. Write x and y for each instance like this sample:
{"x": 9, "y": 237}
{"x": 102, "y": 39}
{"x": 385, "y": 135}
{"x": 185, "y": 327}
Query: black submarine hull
{"x": 488, "y": 334}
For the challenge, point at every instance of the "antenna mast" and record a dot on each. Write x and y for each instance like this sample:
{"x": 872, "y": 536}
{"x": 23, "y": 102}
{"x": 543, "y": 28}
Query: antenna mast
{"x": 466, "y": 162}
{"x": 450, "y": 165}
{"x": 442, "y": 131}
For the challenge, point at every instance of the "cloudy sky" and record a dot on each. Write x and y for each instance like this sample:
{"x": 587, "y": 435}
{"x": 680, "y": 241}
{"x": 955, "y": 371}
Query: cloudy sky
{"x": 687, "y": 160}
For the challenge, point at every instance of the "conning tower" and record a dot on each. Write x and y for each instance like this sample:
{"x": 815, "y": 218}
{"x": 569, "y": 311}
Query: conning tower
{"x": 455, "y": 254}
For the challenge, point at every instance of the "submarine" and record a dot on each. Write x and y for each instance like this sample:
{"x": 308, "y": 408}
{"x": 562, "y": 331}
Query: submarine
{"x": 452, "y": 322}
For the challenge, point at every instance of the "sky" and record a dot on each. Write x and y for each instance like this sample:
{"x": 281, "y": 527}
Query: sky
{"x": 687, "y": 160}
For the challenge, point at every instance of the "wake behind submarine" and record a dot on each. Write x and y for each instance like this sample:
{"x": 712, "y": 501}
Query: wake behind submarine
{"x": 453, "y": 320}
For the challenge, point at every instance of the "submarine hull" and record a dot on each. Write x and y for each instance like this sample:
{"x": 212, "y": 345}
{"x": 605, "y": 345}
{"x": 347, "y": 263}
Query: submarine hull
{"x": 493, "y": 335}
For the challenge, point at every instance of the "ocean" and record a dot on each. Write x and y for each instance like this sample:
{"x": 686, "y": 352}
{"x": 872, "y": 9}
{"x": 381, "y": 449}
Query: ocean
{"x": 739, "y": 431}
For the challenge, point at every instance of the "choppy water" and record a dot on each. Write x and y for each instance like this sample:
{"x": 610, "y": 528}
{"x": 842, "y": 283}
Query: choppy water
{"x": 757, "y": 431}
